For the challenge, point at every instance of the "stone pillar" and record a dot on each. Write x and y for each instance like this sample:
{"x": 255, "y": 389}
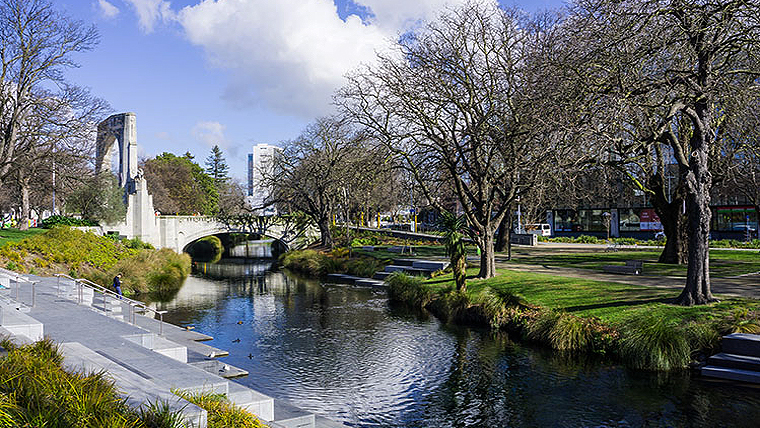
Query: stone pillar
{"x": 614, "y": 223}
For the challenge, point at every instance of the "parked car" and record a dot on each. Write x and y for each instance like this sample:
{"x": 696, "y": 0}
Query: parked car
{"x": 541, "y": 229}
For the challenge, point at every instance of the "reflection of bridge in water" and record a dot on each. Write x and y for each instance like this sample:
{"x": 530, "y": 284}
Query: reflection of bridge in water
{"x": 206, "y": 286}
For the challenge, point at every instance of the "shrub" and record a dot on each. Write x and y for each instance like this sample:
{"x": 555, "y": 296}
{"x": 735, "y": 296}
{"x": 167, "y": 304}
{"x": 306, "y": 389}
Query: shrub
{"x": 408, "y": 289}
{"x": 221, "y": 412}
{"x": 60, "y": 220}
{"x": 654, "y": 343}
{"x": 156, "y": 271}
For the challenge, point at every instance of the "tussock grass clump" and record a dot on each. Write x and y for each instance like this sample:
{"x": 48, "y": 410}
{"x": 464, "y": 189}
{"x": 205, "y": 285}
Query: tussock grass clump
{"x": 37, "y": 392}
{"x": 654, "y": 343}
{"x": 539, "y": 327}
{"x": 409, "y": 289}
{"x": 570, "y": 333}
{"x": 310, "y": 262}
{"x": 222, "y": 413}
{"x": 741, "y": 321}
{"x": 498, "y": 306}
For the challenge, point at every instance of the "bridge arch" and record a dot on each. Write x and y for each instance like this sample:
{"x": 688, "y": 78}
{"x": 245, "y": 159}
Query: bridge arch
{"x": 118, "y": 131}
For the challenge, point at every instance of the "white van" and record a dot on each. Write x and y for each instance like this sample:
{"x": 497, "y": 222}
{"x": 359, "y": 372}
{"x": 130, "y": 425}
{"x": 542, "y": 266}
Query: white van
{"x": 542, "y": 229}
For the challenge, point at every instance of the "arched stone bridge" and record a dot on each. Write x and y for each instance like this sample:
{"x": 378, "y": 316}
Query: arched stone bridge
{"x": 142, "y": 220}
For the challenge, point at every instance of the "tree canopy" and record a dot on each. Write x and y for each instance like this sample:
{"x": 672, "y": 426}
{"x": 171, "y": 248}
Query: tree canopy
{"x": 180, "y": 186}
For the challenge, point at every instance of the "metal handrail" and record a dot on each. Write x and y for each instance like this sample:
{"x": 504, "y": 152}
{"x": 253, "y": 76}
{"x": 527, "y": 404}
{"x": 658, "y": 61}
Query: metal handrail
{"x": 106, "y": 292}
{"x": 11, "y": 275}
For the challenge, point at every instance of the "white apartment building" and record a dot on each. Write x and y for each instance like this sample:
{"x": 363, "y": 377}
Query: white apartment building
{"x": 259, "y": 162}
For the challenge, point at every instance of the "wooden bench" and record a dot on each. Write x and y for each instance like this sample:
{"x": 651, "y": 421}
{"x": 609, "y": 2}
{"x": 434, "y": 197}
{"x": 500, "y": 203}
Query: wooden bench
{"x": 633, "y": 267}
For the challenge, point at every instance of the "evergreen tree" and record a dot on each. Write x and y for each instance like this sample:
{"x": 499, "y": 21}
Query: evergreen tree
{"x": 217, "y": 167}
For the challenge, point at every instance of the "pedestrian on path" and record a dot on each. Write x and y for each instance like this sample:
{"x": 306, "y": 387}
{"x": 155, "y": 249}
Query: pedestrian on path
{"x": 117, "y": 283}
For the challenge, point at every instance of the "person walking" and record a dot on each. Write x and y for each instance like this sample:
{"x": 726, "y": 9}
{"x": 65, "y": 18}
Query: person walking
{"x": 117, "y": 283}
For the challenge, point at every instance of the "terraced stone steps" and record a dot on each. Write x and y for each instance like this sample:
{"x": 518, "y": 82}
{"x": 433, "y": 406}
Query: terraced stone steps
{"x": 739, "y": 361}
{"x": 135, "y": 386}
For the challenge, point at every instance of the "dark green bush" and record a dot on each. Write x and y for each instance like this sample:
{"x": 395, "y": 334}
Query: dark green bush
{"x": 60, "y": 220}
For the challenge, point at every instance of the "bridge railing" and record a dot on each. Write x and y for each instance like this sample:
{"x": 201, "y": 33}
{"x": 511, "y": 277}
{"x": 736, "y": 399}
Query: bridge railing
{"x": 134, "y": 305}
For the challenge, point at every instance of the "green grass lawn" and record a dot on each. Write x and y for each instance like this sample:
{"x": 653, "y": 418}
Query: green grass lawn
{"x": 723, "y": 263}
{"x": 14, "y": 235}
{"x": 611, "y": 302}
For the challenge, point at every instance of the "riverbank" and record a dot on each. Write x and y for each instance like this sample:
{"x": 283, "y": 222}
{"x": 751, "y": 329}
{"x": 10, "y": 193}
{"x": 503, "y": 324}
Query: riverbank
{"x": 97, "y": 258}
{"x": 634, "y": 324}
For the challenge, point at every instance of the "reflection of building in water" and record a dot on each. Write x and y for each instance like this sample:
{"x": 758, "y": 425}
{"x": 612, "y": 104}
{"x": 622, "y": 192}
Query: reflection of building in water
{"x": 261, "y": 249}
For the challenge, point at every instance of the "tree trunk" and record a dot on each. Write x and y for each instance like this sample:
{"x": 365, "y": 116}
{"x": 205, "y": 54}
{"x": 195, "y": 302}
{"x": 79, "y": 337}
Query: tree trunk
{"x": 23, "y": 221}
{"x": 501, "y": 241}
{"x": 459, "y": 266}
{"x": 674, "y": 221}
{"x": 698, "y": 181}
{"x": 487, "y": 259}
{"x": 326, "y": 239}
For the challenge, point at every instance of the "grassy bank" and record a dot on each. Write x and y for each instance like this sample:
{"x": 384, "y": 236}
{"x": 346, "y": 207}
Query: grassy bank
{"x": 8, "y": 236}
{"x": 320, "y": 263}
{"x": 36, "y": 391}
{"x": 99, "y": 259}
{"x": 634, "y": 324}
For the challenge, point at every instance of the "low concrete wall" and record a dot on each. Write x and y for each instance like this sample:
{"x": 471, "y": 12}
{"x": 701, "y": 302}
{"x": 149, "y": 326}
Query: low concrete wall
{"x": 525, "y": 239}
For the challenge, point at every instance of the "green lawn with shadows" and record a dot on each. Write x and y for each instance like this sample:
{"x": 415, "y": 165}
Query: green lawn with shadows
{"x": 8, "y": 236}
{"x": 723, "y": 263}
{"x": 612, "y": 303}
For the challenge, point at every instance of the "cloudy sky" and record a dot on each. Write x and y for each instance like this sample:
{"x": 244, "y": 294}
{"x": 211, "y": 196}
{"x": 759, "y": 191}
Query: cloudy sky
{"x": 235, "y": 72}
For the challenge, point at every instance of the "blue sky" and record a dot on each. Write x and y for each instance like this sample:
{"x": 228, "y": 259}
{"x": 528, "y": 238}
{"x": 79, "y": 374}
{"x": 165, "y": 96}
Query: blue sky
{"x": 233, "y": 72}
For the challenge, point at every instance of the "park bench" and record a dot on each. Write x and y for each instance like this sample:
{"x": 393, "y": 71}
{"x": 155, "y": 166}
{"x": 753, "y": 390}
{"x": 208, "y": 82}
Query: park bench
{"x": 633, "y": 267}
{"x": 612, "y": 246}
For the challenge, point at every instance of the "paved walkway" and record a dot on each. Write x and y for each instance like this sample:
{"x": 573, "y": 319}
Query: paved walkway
{"x": 96, "y": 335}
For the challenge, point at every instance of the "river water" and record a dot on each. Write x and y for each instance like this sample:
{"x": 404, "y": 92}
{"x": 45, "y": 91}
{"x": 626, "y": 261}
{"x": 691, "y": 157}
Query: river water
{"x": 344, "y": 352}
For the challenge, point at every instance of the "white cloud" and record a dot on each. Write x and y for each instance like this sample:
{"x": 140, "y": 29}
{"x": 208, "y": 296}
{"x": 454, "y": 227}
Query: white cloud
{"x": 290, "y": 55}
{"x": 209, "y": 133}
{"x": 151, "y": 12}
{"x": 107, "y": 9}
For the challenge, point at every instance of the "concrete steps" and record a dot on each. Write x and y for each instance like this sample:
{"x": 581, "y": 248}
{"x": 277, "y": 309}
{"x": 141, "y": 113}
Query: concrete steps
{"x": 289, "y": 416}
{"x": 739, "y": 361}
{"x": 741, "y": 344}
{"x": 733, "y": 361}
{"x": 19, "y": 323}
{"x": 381, "y": 275}
{"x": 160, "y": 344}
{"x": 252, "y": 401}
{"x": 134, "y": 386}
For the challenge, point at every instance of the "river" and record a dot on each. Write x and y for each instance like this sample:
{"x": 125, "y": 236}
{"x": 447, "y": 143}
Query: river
{"x": 346, "y": 353}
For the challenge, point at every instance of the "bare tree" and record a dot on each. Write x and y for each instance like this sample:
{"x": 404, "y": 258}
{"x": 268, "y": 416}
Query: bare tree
{"x": 666, "y": 74}
{"x": 313, "y": 171}
{"x": 36, "y": 45}
{"x": 463, "y": 101}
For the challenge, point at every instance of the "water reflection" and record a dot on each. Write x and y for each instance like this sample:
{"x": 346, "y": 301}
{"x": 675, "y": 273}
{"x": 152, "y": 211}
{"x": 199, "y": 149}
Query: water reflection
{"x": 345, "y": 353}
